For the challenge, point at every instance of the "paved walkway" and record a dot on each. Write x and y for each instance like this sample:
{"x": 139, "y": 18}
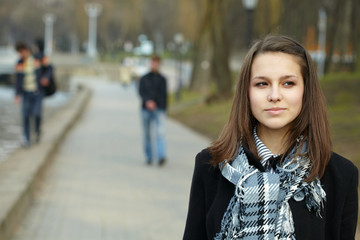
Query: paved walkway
{"x": 99, "y": 186}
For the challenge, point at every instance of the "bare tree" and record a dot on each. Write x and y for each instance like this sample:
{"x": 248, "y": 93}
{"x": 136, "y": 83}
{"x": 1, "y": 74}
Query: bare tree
{"x": 334, "y": 14}
{"x": 355, "y": 34}
{"x": 211, "y": 61}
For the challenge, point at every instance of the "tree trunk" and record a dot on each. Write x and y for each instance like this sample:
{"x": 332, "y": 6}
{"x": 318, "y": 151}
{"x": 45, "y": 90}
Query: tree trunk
{"x": 355, "y": 35}
{"x": 211, "y": 60}
{"x": 202, "y": 55}
{"x": 220, "y": 59}
{"x": 333, "y": 29}
{"x": 344, "y": 40}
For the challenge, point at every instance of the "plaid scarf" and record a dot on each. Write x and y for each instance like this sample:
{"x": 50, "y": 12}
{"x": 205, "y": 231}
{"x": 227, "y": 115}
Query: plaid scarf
{"x": 259, "y": 208}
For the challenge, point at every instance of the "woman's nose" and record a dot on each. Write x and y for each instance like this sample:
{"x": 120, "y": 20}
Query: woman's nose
{"x": 274, "y": 95}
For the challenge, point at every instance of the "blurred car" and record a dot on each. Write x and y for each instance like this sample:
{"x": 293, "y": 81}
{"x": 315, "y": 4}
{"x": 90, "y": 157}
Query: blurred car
{"x": 8, "y": 58}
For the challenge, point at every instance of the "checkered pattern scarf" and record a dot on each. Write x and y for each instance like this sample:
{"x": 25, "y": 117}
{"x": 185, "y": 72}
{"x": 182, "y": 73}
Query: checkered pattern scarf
{"x": 259, "y": 208}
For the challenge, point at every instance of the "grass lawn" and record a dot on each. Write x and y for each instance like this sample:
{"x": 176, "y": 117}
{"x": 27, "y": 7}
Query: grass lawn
{"x": 342, "y": 92}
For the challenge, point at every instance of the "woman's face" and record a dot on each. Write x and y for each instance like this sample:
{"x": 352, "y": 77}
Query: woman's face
{"x": 276, "y": 90}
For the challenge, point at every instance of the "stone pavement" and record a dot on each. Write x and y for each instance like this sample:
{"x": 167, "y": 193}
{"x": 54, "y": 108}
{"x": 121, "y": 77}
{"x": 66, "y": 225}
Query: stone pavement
{"x": 98, "y": 186}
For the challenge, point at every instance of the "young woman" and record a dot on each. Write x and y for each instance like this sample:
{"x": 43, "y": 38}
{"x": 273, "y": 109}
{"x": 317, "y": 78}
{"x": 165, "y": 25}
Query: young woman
{"x": 272, "y": 174}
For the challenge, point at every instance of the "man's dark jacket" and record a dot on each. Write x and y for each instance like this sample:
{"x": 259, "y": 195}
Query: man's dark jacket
{"x": 20, "y": 76}
{"x": 153, "y": 87}
{"x": 211, "y": 193}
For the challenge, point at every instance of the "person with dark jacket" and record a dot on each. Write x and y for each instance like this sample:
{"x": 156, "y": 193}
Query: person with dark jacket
{"x": 271, "y": 174}
{"x": 153, "y": 93}
{"x": 28, "y": 89}
{"x": 47, "y": 78}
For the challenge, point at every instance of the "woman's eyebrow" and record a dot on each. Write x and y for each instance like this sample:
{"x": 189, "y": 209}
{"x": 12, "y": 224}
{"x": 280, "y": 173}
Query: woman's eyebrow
{"x": 260, "y": 77}
{"x": 281, "y": 78}
{"x": 289, "y": 76}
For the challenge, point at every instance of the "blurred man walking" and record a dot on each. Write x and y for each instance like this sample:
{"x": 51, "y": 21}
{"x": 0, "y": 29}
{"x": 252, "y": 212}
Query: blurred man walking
{"x": 28, "y": 90}
{"x": 152, "y": 89}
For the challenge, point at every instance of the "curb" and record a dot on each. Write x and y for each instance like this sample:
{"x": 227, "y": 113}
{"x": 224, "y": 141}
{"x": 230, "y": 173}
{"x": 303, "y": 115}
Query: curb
{"x": 21, "y": 172}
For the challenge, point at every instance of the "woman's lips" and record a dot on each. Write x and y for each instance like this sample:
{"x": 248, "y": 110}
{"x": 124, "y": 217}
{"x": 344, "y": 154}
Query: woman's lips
{"x": 276, "y": 110}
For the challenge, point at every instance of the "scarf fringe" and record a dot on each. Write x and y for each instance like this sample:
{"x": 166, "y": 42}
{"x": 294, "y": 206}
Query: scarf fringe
{"x": 315, "y": 197}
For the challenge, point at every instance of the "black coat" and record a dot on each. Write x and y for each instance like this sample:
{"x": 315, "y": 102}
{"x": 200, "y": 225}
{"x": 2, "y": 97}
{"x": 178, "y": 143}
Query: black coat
{"x": 153, "y": 87}
{"x": 211, "y": 193}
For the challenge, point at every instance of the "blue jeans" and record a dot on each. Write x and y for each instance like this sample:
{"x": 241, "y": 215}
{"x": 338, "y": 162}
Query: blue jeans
{"x": 31, "y": 107}
{"x": 149, "y": 119}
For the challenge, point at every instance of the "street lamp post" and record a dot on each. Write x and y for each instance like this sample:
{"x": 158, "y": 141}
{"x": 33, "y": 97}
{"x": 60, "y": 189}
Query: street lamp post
{"x": 49, "y": 20}
{"x": 249, "y": 5}
{"x": 93, "y": 11}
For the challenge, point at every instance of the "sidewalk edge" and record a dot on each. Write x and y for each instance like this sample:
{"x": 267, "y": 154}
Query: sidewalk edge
{"x": 21, "y": 178}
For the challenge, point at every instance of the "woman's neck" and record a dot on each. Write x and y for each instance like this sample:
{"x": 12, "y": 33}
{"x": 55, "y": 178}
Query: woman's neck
{"x": 273, "y": 139}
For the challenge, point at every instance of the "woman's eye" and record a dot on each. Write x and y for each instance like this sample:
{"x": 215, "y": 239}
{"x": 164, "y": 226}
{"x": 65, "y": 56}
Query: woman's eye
{"x": 289, "y": 83}
{"x": 261, "y": 84}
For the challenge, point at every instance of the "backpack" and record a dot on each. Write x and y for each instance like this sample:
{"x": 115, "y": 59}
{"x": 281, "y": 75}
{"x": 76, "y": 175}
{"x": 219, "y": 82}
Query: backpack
{"x": 51, "y": 88}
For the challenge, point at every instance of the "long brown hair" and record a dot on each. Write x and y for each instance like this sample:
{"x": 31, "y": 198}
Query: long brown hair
{"x": 312, "y": 122}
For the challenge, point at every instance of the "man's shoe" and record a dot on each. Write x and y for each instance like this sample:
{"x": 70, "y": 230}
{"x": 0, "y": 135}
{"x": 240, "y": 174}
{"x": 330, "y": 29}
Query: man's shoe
{"x": 38, "y": 136}
{"x": 25, "y": 144}
{"x": 162, "y": 161}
